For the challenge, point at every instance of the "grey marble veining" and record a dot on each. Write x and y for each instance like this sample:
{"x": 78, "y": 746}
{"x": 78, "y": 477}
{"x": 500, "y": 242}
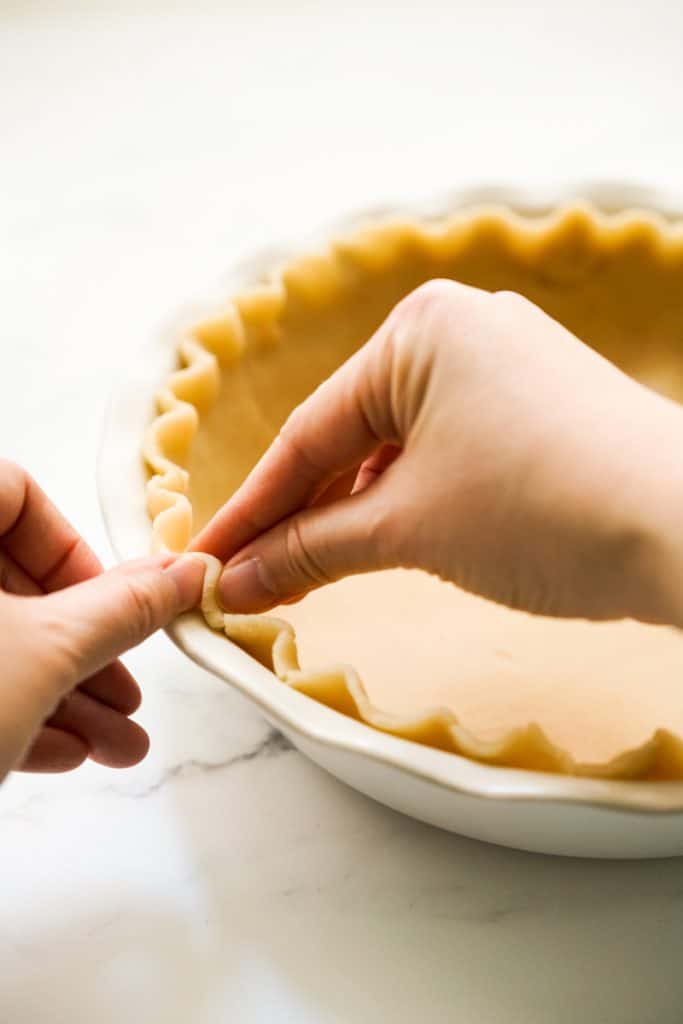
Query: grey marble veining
{"x": 273, "y": 745}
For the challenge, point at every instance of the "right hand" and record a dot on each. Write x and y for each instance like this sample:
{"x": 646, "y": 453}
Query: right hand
{"x": 487, "y": 445}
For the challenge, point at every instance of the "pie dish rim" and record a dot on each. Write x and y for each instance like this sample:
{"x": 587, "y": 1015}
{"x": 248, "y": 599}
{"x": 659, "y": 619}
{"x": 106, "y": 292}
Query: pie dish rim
{"x": 477, "y": 778}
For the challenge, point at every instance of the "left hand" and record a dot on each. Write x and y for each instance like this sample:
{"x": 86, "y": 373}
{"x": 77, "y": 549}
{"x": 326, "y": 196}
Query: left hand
{"x": 63, "y": 623}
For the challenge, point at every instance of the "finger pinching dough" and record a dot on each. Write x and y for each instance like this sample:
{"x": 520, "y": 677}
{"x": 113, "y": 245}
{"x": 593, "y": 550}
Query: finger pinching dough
{"x": 401, "y": 650}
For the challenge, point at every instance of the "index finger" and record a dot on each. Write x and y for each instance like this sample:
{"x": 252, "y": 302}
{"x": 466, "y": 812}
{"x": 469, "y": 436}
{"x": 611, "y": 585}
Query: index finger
{"x": 38, "y": 537}
{"x": 330, "y": 433}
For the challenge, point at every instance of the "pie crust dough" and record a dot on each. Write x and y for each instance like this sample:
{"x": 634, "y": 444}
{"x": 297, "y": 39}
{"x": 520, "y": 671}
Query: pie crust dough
{"x": 440, "y": 667}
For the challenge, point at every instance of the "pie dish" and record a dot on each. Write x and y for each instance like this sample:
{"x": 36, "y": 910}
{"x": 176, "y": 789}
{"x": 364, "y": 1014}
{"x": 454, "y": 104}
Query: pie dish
{"x": 437, "y": 667}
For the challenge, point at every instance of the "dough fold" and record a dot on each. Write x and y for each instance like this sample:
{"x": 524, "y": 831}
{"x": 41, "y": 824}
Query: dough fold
{"x": 565, "y": 245}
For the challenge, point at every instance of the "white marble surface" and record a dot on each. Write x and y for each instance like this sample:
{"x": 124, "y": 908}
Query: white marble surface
{"x": 226, "y": 879}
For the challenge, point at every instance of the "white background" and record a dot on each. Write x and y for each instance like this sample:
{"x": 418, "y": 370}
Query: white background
{"x": 142, "y": 149}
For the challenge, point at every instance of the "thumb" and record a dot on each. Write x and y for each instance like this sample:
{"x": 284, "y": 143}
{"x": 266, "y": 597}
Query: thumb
{"x": 89, "y": 625}
{"x": 314, "y": 547}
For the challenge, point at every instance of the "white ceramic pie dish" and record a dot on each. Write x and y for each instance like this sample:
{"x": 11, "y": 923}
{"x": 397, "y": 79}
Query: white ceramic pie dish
{"x": 527, "y": 810}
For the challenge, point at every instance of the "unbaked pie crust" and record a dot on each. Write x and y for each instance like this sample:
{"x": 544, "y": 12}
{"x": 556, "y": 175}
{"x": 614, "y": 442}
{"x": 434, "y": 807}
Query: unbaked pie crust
{"x": 440, "y": 667}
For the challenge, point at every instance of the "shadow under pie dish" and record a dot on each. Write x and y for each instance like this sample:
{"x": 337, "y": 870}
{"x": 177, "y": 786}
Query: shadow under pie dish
{"x": 432, "y": 664}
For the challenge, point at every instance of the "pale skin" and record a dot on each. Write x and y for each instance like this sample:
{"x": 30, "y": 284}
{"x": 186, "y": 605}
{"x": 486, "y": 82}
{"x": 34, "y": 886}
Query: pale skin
{"x": 475, "y": 438}
{"x": 64, "y": 696}
{"x": 472, "y": 437}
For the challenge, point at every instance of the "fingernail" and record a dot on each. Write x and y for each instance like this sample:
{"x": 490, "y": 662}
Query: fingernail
{"x": 246, "y": 587}
{"x": 188, "y": 575}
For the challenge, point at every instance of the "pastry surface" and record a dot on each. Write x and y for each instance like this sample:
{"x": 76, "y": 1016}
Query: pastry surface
{"x": 416, "y": 643}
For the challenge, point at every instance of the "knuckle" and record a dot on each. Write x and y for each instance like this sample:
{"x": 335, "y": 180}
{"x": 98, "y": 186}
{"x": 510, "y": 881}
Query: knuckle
{"x": 289, "y": 437}
{"x": 300, "y": 561}
{"x": 430, "y": 296}
{"x": 416, "y": 338}
{"x": 11, "y": 470}
{"x": 509, "y": 301}
{"x": 16, "y": 484}
{"x": 432, "y": 315}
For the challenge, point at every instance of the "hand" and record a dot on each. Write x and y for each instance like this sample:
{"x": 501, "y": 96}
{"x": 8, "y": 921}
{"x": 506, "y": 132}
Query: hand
{"x": 63, "y": 622}
{"x": 475, "y": 438}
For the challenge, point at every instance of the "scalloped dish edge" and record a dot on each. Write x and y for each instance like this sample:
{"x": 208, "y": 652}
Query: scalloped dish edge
{"x": 215, "y": 343}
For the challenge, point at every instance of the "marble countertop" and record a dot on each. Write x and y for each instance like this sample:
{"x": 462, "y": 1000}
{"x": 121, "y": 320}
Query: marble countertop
{"x": 226, "y": 878}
